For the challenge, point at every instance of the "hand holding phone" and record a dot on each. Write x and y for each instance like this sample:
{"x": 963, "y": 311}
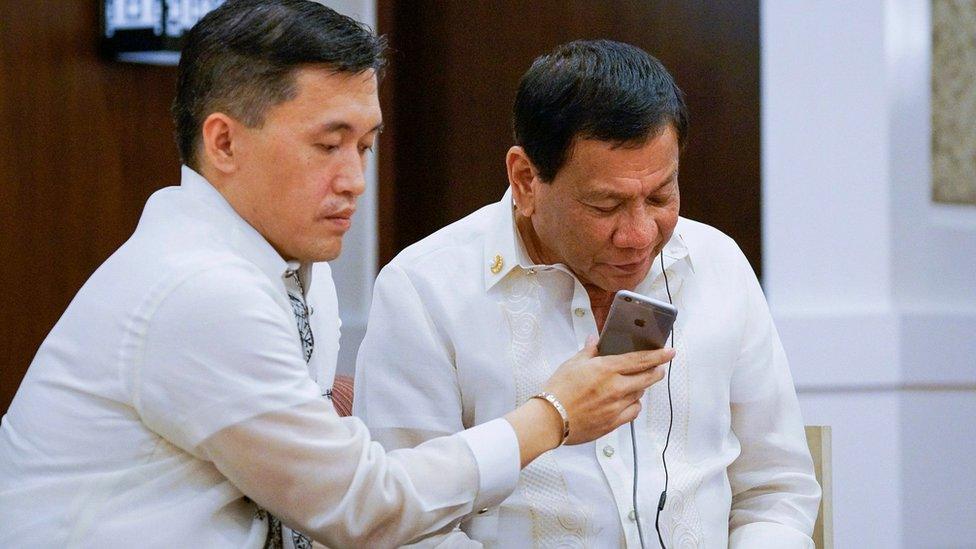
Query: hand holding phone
{"x": 636, "y": 323}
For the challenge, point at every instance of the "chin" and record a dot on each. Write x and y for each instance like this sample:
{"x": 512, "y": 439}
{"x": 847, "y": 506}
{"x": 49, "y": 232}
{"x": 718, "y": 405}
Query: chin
{"x": 318, "y": 252}
{"x": 626, "y": 281}
{"x": 329, "y": 255}
{"x": 612, "y": 284}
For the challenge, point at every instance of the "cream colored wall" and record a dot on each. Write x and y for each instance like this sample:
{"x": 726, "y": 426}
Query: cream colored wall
{"x": 355, "y": 269}
{"x": 870, "y": 280}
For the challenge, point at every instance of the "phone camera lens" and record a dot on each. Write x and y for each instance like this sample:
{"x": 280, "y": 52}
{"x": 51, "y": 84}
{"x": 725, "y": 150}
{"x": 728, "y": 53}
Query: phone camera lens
{"x": 627, "y": 299}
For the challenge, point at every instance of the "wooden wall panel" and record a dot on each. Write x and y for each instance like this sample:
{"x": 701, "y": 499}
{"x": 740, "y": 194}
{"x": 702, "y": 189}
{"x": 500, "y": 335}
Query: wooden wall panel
{"x": 83, "y": 142}
{"x": 455, "y": 70}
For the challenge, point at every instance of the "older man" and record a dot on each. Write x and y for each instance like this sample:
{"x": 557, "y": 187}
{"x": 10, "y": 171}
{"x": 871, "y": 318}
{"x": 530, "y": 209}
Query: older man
{"x": 469, "y": 322}
{"x": 181, "y": 401}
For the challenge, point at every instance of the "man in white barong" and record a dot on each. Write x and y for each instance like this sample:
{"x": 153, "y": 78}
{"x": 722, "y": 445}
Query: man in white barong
{"x": 182, "y": 400}
{"x": 468, "y": 323}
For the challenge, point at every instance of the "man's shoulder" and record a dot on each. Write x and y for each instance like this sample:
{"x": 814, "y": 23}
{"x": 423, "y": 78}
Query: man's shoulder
{"x": 150, "y": 267}
{"x": 457, "y": 246}
{"x": 708, "y": 245}
{"x": 703, "y": 234}
{"x": 181, "y": 237}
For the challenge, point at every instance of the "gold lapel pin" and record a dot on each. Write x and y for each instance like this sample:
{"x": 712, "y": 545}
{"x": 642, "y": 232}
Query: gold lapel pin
{"x": 497, "y": 264}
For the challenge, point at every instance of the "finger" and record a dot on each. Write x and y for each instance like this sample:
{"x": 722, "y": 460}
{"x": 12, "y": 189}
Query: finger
{"x": 589, "y": 349}
{"x": 629, "y": 413}
{"x": 642, "y": 380}
{"x": 634, "y": 396}
{"x": 639, "y": 361}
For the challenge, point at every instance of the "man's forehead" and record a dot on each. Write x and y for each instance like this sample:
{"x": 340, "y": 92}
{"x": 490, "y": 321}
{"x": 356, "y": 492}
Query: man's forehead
{"x": 318, "y": 87}
{"x": 623, "y": 189}
{"x": 608, "y": 171}
{"x": 317, "y": 73}
{"x": 330, "y": 101}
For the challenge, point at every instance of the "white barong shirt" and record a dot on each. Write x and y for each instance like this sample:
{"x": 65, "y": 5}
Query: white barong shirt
{"x": 175, "y": 383}
{"x": 464, "y": 327}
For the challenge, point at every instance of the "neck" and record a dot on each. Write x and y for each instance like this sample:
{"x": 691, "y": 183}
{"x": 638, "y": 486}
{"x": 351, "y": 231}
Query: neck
{"x": 236, "y": 196}
{"x": 533, "y": 246}
{"x": 600, "y": 299}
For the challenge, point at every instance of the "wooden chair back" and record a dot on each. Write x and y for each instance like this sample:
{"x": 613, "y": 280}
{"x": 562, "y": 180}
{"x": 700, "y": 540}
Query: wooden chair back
{"x": 818, "y": 439}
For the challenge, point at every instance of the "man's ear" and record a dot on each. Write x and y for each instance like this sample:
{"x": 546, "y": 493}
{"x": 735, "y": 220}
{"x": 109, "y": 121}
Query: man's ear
{"x": 219, "y": 135}
{"x": 524, "y": 180}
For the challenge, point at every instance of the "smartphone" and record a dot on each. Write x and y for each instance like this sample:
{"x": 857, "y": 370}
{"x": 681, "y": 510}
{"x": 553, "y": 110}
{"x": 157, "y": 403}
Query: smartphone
{"x": 635, "y": 323}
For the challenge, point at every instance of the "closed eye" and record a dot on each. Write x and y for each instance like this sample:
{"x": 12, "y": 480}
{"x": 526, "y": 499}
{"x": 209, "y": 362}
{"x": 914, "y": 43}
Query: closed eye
{"x": 604, "y": 208}
{"x": 663, "y": 197}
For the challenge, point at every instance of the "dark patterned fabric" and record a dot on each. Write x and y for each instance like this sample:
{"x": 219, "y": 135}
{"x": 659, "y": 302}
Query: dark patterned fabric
{"x": 273, "y": 541}
{"x": 300, "y": 308}
{"x": 300, "y": 541}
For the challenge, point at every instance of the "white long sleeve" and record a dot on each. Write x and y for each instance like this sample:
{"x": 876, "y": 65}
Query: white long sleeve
{"x": 323, "y": 476}
{"x": 319, "y": 473}
{"x": 774, "y": 493}
{"x": 424, "y": 376}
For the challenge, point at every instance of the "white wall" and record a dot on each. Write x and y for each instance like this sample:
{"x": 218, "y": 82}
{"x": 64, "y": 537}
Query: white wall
{"x": 355, "y": 269}
{"x": 873, "y": 287}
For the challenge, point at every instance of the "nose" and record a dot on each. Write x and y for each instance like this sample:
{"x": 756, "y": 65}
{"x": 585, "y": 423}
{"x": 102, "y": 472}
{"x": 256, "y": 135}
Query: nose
{"x": 351, "y": 178}
{"x": 636, "y": 230}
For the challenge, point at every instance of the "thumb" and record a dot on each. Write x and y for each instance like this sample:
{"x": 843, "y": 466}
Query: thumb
{"x": 589, "y": 349}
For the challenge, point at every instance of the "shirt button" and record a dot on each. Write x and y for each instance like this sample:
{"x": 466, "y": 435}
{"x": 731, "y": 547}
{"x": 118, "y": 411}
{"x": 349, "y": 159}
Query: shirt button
{"x": 579, "y": 312}
{"x": 483, "y": 511}
{"x": 530, "y": 272}
{"x": 608, "y": 451}
{"x": 632, "y": 515}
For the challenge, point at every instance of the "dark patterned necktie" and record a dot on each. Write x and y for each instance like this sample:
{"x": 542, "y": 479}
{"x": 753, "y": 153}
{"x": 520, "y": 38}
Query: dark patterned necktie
{"x": 276, "y": 531}
{"x": 300, "y": 308}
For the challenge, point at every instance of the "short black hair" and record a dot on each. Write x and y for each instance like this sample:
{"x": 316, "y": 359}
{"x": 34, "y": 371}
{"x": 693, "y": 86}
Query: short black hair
{"x": 241, "y": 59}
{"x": 593, "y": 89}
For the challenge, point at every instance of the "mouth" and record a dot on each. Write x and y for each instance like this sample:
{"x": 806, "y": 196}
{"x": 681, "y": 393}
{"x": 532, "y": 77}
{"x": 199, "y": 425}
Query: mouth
{"x": 341, "y": 220}
{"x": 629, "y": 268}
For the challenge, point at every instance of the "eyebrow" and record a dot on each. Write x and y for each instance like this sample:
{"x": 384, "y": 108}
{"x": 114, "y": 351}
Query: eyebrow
{"x": 339, "y": 126}
{"x": 602, "y": 194}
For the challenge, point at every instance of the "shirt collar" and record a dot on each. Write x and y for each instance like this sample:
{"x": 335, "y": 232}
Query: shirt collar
{"x": 676, "y": 259}
{"x": 245, "y": 238}
{"x": 504, "y": 250}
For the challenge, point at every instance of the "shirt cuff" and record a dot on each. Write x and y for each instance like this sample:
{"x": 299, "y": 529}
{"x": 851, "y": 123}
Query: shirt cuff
{"x": 496, "y": 451}
{"x": 768, "y": 534}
